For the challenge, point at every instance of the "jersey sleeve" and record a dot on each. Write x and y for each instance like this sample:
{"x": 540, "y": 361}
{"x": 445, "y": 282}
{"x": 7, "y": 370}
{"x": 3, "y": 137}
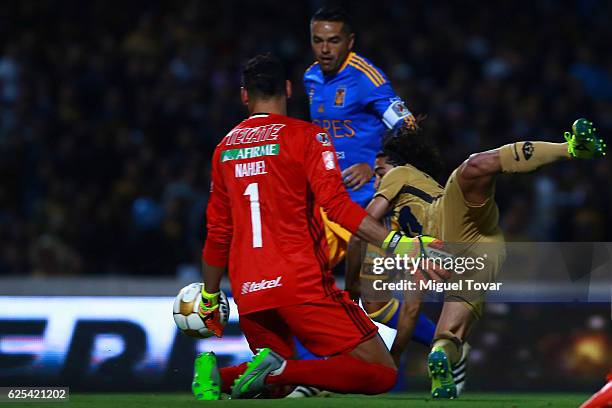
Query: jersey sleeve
{"x": 309, "y": 76}
{"x": 389, "y": 107}
{"x": 218, "y": 220}
{"x": 325, "y": 180}
{"x": 392, "y": 183}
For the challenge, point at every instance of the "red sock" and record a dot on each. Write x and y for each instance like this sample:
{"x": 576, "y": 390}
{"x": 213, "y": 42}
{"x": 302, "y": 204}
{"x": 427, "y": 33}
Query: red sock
{"x": 342, "y": 374}
{"x": 601, "y": 399}
{"x": 229, "y": 374}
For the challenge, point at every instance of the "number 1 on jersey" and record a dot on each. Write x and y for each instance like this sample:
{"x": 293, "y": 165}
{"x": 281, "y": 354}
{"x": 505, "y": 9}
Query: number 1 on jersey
{"x": 252, "y": 191}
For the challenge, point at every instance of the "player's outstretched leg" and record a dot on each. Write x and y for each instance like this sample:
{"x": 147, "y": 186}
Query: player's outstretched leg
{"x": 477, "y": 174}
{"x": 206, "y": 383}
{"x": 447, "y": 360}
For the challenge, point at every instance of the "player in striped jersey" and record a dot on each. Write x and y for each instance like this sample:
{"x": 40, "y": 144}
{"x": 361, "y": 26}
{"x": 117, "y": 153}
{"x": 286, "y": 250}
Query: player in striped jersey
{"x": 351, "y": 98}
{"x": 354, "y": 101}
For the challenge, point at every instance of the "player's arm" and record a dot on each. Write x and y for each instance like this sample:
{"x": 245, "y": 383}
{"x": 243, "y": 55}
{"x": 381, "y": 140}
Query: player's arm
{"x": 390, "y": 186}
{"x": 212, "y": 275}
{"x": 391, "y": 109}
{"x": 357, "y": 175}
{"x": 377, "y": 208}
{"x": 216, "y": 249}
{"x": 406, "y": 322}
{"x": 352, "y": 267}
{"x": 392, "y": 112}
{"x": 321, "y": 167}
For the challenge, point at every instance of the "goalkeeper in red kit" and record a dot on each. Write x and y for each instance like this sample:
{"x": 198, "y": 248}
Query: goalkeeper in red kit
{"x": 270, "y": 176}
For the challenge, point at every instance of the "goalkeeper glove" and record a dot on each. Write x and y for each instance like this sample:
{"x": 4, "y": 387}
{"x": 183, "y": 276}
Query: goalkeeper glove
{"x": 209, "y": 312}
{"x": 422, "y": 247}
{"x": 399, "y": 243}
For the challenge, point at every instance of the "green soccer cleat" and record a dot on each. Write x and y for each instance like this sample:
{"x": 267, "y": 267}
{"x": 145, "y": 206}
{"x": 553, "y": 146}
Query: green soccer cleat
{"x": 583, "y": 142}
{"x": 206, "y": 385}
{"x": 253, "y": 381}
{"x": 442, "y": 382}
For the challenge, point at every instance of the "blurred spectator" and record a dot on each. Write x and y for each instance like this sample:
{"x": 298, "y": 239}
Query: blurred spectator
{"x": 108, "y": 119}
{"x": 51, "y": 257}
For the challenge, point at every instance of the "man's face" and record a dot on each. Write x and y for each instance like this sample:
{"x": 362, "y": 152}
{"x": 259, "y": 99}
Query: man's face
{"x": 381, "y": 167}
{"x": 330, "y": 44}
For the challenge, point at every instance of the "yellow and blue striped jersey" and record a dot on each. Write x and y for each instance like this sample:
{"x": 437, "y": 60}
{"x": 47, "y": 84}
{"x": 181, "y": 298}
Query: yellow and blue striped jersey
{"x": 356, "y": 106}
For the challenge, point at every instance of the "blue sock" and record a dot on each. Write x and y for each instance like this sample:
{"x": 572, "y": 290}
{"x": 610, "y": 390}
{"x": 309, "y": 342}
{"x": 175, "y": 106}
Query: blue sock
{"x": 424, "y": 330}
{"x": 302, "y": 352}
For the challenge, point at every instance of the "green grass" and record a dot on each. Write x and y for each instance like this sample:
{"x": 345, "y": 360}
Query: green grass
{"x": 412, "y": 400}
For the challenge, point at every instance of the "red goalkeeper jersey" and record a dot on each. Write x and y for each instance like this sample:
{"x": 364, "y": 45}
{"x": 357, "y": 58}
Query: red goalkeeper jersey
{"x": 270, "y": 176}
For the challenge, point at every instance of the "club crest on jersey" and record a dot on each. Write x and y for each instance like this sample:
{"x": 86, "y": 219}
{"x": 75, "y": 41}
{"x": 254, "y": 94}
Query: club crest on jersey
{"x": 400, "y": 109}
{"x": 340, "y": 96}
{"x": 328, "y": 160}
{"x": 321, "y": 108}
{"x": 323, "y": 138}
{"x": 528, "y": 150}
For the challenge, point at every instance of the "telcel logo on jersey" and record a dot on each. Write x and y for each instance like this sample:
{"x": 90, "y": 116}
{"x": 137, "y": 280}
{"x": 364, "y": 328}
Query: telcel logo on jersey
{"x": 248, "y": 287}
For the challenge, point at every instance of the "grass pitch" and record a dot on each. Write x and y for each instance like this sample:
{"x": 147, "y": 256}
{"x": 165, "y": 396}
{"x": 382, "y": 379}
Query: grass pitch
{"x": 410, "y": 400}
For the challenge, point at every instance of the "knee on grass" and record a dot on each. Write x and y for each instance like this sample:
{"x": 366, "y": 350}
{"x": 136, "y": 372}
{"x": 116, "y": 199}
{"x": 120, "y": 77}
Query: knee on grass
{"x": 380, "y": 379}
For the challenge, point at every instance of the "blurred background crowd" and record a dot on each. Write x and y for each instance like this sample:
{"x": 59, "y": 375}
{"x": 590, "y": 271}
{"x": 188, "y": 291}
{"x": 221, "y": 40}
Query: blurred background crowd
{"x": 109, "y": 113}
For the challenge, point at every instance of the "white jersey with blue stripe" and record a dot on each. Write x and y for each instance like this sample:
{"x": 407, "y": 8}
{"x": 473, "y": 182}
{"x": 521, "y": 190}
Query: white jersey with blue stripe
{"x": 355, "y": 106}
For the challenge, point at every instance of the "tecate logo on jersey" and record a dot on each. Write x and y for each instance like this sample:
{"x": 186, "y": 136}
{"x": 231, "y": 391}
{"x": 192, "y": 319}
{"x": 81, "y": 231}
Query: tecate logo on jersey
{"x": 249, "y": 287}
{"x": 253, "y": 135}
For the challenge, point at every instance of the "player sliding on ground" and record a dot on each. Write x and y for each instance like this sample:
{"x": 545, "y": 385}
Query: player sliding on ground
{"x": 462, "y": 212}
{"x": 270, "y": 176}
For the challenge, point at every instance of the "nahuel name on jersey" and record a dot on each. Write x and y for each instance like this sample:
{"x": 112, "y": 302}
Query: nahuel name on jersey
{"x": 250, "y": 169}
{"x": 249, "y": 287}
{"x": 253, "y": 135}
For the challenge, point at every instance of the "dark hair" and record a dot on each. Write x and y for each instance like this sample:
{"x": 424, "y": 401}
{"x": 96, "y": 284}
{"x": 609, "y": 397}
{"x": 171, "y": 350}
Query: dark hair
{"x": 409, "y": 145}
{"x": 334, "y": 13}
{"x": 264, "y": 76}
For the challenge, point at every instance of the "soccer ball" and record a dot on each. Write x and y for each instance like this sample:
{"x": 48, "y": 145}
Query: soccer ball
{"x": 185, "y": 311}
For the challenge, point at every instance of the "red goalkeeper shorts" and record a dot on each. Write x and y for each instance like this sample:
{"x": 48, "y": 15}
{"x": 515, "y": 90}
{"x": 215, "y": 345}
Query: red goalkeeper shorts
{"x": 326, "y": 327}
